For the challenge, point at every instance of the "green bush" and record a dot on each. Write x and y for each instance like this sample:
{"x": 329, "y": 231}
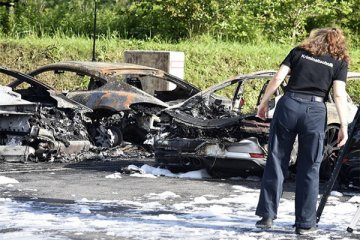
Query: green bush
{"x": 282, "y": 21}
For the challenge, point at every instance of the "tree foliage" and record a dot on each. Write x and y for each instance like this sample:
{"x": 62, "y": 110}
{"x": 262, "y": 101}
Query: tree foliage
{"x": 238, "y": 20}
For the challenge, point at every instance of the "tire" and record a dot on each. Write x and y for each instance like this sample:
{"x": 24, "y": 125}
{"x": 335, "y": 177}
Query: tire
{"x": 118, "y": 136}
{"x": 330, "y": 151}
{"x": 107, "y": 136}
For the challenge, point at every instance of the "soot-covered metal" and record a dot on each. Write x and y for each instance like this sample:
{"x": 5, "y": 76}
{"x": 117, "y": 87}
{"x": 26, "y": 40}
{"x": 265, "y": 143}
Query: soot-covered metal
{"x": 211, "y": 130}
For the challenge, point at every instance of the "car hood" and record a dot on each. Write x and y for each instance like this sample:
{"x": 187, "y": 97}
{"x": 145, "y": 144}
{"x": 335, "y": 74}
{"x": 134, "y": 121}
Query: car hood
{"x": 116, "y": 96}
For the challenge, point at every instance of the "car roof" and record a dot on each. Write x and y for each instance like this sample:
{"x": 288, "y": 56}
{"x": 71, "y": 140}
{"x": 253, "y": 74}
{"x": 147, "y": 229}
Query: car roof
{"x": 252, "y": 75}
{"x": 102, "y": 68}
{"x": 259, "y": 74}
{"x": 105, "y": 66}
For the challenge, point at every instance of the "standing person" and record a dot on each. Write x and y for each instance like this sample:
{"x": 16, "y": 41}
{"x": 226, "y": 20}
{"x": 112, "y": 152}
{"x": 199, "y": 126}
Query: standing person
{"x": 317, "y": 64}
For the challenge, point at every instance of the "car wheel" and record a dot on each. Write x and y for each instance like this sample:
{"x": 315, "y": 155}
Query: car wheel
{"x": 331, "y": 151}
{"x": 108, "y": 136}
{"x": 117, "y": 133}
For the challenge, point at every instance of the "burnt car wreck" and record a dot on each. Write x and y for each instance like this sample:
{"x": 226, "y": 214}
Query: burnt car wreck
{"x": 209, "y": 131}
{"x": 124, "y": 98}
{"x": 39, "y": 124}
{"x": 44, "y": 134}
{"x": 213, "y": 130}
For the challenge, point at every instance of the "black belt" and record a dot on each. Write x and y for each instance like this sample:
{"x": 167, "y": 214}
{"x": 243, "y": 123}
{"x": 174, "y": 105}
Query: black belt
{"x": 305, "y": 96}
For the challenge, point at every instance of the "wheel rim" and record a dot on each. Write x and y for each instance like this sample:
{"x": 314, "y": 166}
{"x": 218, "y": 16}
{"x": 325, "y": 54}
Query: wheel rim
{"x": 103, "y": 137}
{"x": 118, "y": 137}
{"x": 108, "y": 136}
{"x": 331, "y": 151}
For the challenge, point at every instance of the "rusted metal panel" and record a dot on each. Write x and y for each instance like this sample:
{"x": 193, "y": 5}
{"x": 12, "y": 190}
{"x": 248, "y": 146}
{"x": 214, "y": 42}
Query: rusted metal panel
{"x": 113, "y": 100}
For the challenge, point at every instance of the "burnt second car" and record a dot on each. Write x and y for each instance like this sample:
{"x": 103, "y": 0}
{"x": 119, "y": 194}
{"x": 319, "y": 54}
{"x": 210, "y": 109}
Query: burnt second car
{"x": 217, "y": 129}
{"x": 125, "y": 98}
{"x": 211, "y": 130}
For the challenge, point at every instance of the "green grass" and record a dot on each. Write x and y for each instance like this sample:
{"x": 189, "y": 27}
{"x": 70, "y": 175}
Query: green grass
{"x": 207, "y": 61}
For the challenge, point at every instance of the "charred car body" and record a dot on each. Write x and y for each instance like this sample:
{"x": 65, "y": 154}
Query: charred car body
{"x": 125, "y": 98}
{"x": 39, "y": 124}
{"x": 211, "y": 130}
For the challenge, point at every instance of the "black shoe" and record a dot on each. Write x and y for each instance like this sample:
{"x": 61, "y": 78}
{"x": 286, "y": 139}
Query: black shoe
{"x": 264, "y": 223}
{"x": 304, "y": 231}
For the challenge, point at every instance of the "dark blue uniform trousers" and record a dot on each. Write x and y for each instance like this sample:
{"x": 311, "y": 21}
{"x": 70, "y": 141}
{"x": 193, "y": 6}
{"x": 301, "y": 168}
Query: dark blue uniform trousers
{"x": 307, "y": 120}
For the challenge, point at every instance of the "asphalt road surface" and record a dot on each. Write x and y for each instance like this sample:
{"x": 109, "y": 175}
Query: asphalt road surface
{"x": 66, "y": 191}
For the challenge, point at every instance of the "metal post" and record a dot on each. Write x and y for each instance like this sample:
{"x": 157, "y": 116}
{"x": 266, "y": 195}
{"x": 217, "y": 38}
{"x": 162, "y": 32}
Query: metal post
{"x": 94, "y": 32}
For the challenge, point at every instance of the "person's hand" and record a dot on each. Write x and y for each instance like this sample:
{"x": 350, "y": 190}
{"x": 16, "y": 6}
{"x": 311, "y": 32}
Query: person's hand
{"x": 262, "y": 111}
{"x": 342, "y": 136}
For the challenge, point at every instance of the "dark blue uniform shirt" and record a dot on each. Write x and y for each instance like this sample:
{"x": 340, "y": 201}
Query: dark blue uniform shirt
{"x": 311, "y": 74}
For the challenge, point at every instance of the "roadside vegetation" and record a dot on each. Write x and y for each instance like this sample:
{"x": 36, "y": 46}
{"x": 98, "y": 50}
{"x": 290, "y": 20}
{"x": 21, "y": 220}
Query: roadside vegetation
{"x": 281, "y": 21}
{"x": 220, "y": 39}
{"x": 207, "y": 61}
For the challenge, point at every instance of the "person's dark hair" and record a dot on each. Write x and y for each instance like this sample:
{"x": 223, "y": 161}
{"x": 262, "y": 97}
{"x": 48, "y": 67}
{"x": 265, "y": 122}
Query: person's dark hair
{"x": 327, "y": 41}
